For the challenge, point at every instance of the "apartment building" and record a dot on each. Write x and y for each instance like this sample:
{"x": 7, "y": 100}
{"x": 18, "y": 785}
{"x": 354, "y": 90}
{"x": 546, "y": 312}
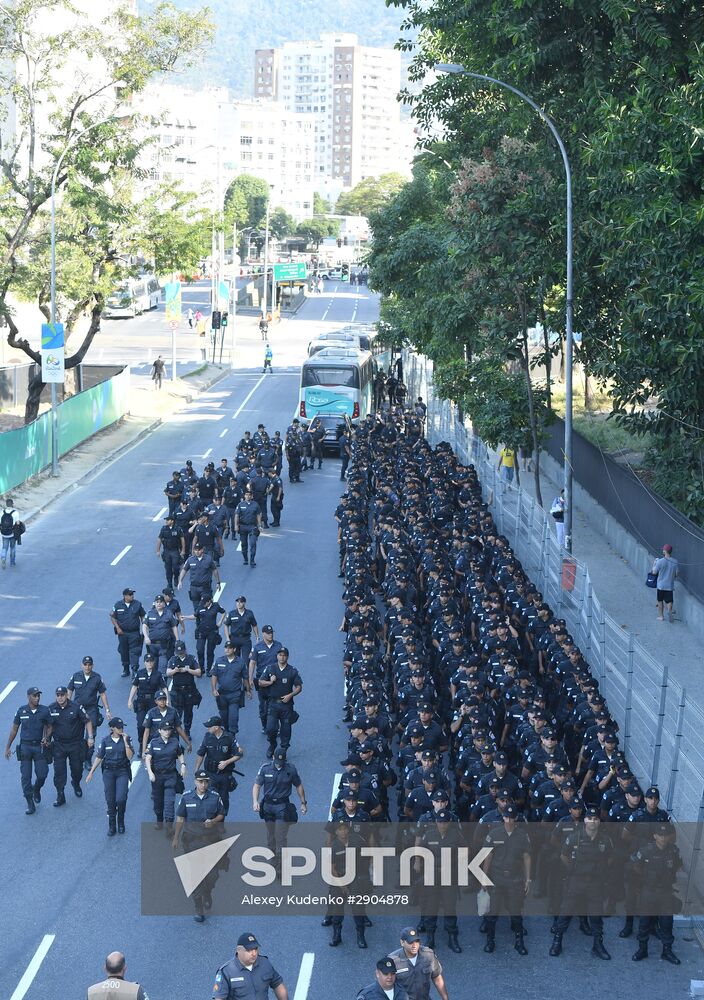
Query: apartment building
{"x": 350, "y": 91}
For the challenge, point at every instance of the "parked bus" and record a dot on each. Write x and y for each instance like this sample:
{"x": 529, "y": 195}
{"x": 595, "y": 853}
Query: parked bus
{"x": 133, "y": 297}
{"x": 337, "y": 381}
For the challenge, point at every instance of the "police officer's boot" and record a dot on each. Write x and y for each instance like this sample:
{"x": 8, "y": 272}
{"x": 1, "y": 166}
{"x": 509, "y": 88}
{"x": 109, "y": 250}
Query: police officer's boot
{"x": 37, "y": 792}
{"x": 598, "y": 949}
{"x": 326, "y": 922}
{"x": 668, "y": 955}
{"x": 120, "y": 819}
{"x": 337, "y": 936}
{"x": 627, "y": 928}
{"x": 31, "y": 808}
{"x": 584, "y": 926}
{"x": 482, "y": 926}
{"x": 112, "y": 828}
{"x": 490, "y": 942}
{"x": 642, "y": 952}
{"x": 519, "y": 945}
{"x": 361, "y": 940}
{"x": 452, "y": 942}
{"x": 556, "y": 946}
{"x": 60, "y": 797}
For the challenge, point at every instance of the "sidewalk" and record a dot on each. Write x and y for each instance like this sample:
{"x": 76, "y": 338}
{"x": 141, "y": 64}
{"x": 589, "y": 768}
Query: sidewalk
{"x": 623, "y": 593}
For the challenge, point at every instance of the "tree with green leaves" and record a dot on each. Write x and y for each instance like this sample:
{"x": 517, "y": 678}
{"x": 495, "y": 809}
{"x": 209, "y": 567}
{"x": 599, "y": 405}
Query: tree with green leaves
{"x": 317, "y": 229}
{"x": 369, "y": 195}
{"x": 281, "y": 224}
{"x": 321, "y": 206}
{"x": 84, "y": 118}
{"x": 245, "y": 202}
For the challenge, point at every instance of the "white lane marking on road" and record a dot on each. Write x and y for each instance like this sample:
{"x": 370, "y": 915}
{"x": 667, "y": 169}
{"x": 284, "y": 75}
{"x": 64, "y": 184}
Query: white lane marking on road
{"x": 33, "y": 967}
{"x": 304, "y": 976}
{"x": 207, "y": 452}
{"x": 223, "y": 433}
{"x": 120, "y": 555}
{"x": 134, "y": 767}
{"x": 247, "y": 398}
{"x": 66, "y": 617}
{"x": 160, "y": 514}
{"x": 335, "y": 783}
{"x": 218, "y": 593}
{"x": 7, "y": 689}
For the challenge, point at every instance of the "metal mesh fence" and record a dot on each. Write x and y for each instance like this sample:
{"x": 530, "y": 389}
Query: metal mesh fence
{"x": 662, "y": 730}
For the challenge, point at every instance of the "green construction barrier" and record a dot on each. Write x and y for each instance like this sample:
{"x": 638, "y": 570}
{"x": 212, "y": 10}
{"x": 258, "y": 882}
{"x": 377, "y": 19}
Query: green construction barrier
{"x": 26, "y": 451}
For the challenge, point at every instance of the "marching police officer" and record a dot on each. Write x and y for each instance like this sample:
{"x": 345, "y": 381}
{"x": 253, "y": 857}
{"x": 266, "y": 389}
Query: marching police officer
{"x": 202, "y": 569}
{"x": 417, "y": 967}
{"x": 274, "y": 783}
{"x": 261, "y": 660}
{"x": 174, "y": 491}
{"x": 218, "y": 754}
{"x": 293, "y": 454}
{"x": 159, "y": 714}
{"x": 239, "y": 625}
{"x": 276, "y": 492}
{"x": 171, "y": 546}
{"x": 160, "y": 627}
{"x": 126, "y": 617}
{"x": 69, "y": 724}
{"x": 85, "y": 688}
{"x": 230, "y": 682}
{"x": 282, "y": 684}
{"x": 509, "y": 868}
{"x": 437, "y": 835}
{"x": 248, "y": 523}
{"x": 209, "y": 616}
{"x": 260, "y": 975}
{"x": 33, "y": 722}
{"x": 165, "y": 764}
{"x": 182, "y": 670}
{"x": 114, "y": 755}
{"x": 656, "y": 866}
{"x": 386, "y": 986}
{"x": 201, "y": 810}
{"x": 148, "y": 681}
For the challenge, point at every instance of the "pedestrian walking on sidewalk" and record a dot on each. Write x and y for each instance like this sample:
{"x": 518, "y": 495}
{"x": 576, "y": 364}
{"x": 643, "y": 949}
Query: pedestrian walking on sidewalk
{"x": 158, "y": 368}
{"x": 557, "y": 509}
{"x": 507, "y": 463}
{"x": 189, "y": 316}
{"x": 8, "y": 521}
{"x": 268, "y": 355}
{"x": 666, "y": 569}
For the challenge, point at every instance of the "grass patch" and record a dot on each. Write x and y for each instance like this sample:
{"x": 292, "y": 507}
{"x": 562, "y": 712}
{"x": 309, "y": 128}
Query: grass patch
{"x": 196, "y": 371}
{"x": 594, "y": 424}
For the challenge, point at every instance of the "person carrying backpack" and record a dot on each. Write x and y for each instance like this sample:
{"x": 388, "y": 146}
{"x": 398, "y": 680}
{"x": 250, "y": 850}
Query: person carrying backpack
{"x": 8, "y": 520}
{"x": 268, "y": 355}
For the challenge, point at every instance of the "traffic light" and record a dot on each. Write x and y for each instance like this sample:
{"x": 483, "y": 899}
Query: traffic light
{"x": 339, "y": 241}
{"x": 345, "y": 241}
{"x": 223, "y": 319}
{"x": 215, "y": 322}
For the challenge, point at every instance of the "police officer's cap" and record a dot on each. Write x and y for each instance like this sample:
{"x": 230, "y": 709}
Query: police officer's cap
{"x": 204, "y": 599}
{"x": 560, "y": 769}
{"x": 500, "y": 757}
{"x": 568, "y": 786}
{"x": 624, "y": 771}
{"x": 180, "y": 646}
{"x": 229, "y": 644}
{"x": 87, "y": 659}
{"x": 203, "y": 774}
{"x": 168, "y": 591}
{"x": 366, "y": 747}
{"x": 284, "y": 649}
{"x": 166, "y": 725}
{"x": 116, "y": 723}
{"x": 503, "y": 793}
{"x": 510, "y": 812}
{"x": 159, "y": 597}
{"x": 354, "y": 775}
{"x": 359, "y": 722}
{"x": 430, "y": 777}
{"x": 371, "y": 699}
{"x": 425, "y": 707}
{"x": 386, "y": 965}
{"x": 247, "y": 941}
{"x": 410, "y": 934}
{"x": 428, "y": 755}
{"x": 62, "y": 690}
{"x": 267, "y": 628}
{"x": 652, "y": 793}
{"x": 160, "y": 695}
{"x": 241, "y": 598}
{"x": 127, "y": 590}
{"x": 443, "y": 816}
{"x": 440, "y": 795}
{"x": 487, "y": 748}
{"x": 633, "y": 789}
{"x": 214, "y": 720}
{"x": 149, "y": 657}
{"x": 280, "y": 755}
{"x": 591, "y": 811}
{"x": 577, "y": 803}
{"x": 548, "y": 733}
{"x": 611, "y": 737}
{"x": 33, "y": 690}
{"x": 352, "y": 758}
{"x": 348, "y": 794}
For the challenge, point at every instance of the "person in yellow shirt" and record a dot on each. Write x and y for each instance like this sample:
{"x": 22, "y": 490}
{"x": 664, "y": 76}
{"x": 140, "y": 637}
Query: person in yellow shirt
{"x": 507, "y": 463}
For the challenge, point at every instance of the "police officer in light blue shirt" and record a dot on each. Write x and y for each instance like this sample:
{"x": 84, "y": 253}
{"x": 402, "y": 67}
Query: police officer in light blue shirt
{"x": 114, "y": 755}
{"x": 199, "y": 813}
{"x": 249, "y": 975}
{"x": 230, "y": 683}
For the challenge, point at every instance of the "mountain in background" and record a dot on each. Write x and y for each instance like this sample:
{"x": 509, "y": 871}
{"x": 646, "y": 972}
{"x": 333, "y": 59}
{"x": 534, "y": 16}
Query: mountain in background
{"x": 243, "y": 26}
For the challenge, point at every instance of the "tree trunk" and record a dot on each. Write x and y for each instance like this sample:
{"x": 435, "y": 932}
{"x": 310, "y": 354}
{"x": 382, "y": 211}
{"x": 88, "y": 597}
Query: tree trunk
{"x": 548, "y": 355}
{"x": 562, "y": 359}
{"x": 34, "y": 392}
{"x": 589, "y": 402}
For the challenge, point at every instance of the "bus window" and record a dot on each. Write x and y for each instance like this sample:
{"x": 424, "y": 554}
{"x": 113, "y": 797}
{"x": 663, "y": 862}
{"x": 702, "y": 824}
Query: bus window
{"x": 326, "y": 375}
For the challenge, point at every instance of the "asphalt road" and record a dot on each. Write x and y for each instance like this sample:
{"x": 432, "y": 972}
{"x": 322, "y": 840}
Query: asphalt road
{"x": 69, "y": 894}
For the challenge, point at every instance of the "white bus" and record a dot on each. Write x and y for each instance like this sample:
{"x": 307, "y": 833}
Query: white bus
{"x": 133, "y": 297}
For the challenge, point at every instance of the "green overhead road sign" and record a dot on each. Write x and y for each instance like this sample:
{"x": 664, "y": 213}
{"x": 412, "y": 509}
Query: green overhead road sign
{"x": 296, "y": 271}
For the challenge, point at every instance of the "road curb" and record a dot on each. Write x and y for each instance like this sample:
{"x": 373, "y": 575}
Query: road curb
{"x": 116, "y": 452}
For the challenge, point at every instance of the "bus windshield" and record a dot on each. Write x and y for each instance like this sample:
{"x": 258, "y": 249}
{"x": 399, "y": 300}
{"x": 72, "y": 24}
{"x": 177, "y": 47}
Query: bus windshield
{"x": 120, "y": 297}
{"x": 325, "y": 375}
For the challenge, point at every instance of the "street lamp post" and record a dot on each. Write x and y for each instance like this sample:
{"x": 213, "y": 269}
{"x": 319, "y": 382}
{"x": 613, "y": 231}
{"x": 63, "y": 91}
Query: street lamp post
{"x": 54, "y": 407}
{"x": 457, "y": 69}
{"x": 266, "y": 257}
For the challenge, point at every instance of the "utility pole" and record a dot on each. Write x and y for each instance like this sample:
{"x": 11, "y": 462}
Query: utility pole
{"x": 266, "y": 257}
{"x": 233, "y": 311}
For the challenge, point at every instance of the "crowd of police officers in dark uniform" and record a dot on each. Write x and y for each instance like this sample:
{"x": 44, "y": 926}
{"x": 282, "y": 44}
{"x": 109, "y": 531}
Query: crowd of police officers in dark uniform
{"x": 466, "y": 699}
{"x": 472, "y": 713}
